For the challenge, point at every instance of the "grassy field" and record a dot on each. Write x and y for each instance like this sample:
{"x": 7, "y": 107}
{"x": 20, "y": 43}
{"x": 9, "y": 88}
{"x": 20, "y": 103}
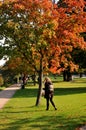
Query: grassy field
{"x": 1, "y": 88}
{"x": 20, "y": 113}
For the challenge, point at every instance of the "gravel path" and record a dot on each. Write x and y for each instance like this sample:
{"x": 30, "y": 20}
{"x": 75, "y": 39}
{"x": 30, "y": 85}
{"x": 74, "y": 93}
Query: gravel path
{"x": 7, "y": 93}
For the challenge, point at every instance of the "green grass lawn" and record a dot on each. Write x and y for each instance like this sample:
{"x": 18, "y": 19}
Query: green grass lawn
{"x": 1, "y": 88}
{"x": 20, "y": 113}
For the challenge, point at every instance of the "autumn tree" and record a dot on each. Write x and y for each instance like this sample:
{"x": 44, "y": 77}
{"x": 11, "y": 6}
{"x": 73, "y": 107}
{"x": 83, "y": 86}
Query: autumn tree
{"x": 29, "y": 30}
{"x": 43, "y": 33}
{"x": 72, "y": 21}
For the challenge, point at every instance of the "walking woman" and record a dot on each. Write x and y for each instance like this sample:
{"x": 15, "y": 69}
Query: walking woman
{"x": 49, "y": 92}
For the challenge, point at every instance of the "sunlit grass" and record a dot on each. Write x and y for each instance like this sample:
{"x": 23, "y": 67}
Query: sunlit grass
{"x": 2, "y": 87}
{"x": 20, "y": 113}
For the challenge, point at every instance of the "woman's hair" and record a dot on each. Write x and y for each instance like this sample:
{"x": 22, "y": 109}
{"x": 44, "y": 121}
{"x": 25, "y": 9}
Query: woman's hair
{"x": 47, "y": 79}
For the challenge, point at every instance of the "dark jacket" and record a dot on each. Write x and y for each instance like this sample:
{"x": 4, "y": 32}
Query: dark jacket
{"x": 48, "y": 93}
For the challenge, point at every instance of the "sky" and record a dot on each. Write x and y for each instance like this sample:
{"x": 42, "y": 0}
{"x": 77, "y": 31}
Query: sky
{"x": 56, "y": 1}
{"x": 2, "y": 62}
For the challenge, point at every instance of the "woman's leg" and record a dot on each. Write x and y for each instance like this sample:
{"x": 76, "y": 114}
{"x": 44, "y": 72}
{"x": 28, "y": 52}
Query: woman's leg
{"x": 51, "y": 100}
{"x": 47, "y": 103}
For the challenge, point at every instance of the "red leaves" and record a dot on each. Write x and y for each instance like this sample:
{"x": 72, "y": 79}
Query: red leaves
{"x": 75, "y": 5}
{"x": 49, "y": 31}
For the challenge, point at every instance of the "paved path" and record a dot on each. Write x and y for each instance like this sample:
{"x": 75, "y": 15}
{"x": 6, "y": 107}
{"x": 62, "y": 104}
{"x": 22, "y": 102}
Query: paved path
{"x": 7, "y": 93}
{"x": 81, "y": 128}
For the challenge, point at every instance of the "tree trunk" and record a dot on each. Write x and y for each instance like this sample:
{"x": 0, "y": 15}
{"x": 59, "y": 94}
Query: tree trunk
{"x": 40, "y": 83}
{"x": 64, "y": 76}
{"x": 24, "y": 81}
{"x": 81, "y": 75}
{"x": 67, "y": 76}
{"x": 34, "y": 79}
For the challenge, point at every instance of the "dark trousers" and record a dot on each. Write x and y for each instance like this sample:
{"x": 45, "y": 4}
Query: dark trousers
{"x": 51, "y": 100}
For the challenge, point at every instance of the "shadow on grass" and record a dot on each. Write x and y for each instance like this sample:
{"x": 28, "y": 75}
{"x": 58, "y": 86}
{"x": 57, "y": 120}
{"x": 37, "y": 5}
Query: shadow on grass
{"x": 44, "y": 123}
{"x": 32, "y": 92}
{"x": 58, "y": 91}
{"x": 68, "y": 91}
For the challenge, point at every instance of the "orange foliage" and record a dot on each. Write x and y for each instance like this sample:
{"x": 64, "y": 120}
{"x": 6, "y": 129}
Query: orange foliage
{"x": 14, "y": 63}
{"x": 72, "y": 22}
{"x": 56, "y": 31}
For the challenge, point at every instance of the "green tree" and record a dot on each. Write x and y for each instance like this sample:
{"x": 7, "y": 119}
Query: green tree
{"x": 28, "y": 30}
{"x": 79, "y": 57}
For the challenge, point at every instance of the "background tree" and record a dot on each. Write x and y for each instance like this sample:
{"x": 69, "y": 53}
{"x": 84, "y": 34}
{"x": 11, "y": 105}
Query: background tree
{"x": 72, "y": 23}
{"x": 79, "y": 57}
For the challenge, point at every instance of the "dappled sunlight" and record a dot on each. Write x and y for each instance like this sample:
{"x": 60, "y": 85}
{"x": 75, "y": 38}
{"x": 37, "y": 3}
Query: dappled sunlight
{"x": 51, "y": 121}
